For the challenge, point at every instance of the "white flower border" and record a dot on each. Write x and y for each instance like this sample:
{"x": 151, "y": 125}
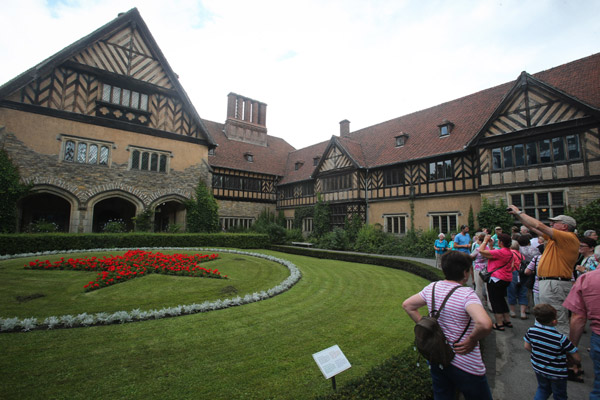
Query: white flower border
{"x": 102, "y": 318}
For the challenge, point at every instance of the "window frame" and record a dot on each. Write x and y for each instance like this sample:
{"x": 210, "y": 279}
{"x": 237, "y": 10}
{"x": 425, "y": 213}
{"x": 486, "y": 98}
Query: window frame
{"x": 536, "y": 209}
{"x": 86, "y": 158}
{"x": 451, "y": 227}
{"x": 402, "y": 227}
{"x": 149, "y": 160}
{"x": 545, "y": 151}
{"x": 115, "y": 95}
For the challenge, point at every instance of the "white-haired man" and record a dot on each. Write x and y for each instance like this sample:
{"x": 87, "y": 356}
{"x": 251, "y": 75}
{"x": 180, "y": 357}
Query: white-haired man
{"x": 555, "y": 269}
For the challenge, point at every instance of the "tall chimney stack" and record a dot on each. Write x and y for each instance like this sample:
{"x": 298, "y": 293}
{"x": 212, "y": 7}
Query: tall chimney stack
{"x": 344, "y": 128}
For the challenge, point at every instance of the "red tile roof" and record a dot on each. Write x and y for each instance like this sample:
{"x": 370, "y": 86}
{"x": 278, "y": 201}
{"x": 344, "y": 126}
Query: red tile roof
{"x": 270, "y": 159}
{"x": 579, "y": 79}
{"x": 375, "y": 146}
{"x": 305, "y": 155}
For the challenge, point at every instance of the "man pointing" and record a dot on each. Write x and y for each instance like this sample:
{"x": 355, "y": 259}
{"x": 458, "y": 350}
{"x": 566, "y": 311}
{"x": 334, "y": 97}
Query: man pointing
{"x": 555, "y": 268}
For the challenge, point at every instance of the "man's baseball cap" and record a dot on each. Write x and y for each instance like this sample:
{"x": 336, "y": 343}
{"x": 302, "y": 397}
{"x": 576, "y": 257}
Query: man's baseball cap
{"x": 565, "y": 219}
{"x": 498, "y": 228}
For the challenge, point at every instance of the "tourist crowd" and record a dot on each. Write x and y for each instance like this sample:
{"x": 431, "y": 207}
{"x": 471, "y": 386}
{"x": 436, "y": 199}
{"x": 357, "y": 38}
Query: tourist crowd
{"x": 550, "y": 271}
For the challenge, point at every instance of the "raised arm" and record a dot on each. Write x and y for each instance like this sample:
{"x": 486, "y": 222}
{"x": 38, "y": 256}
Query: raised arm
{"x": 482, "y": 248}
{"x": 533, "y": 224}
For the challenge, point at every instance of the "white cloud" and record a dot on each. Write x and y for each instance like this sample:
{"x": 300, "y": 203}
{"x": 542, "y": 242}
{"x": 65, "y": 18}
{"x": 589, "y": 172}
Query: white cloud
{"x": 317, "y": 62}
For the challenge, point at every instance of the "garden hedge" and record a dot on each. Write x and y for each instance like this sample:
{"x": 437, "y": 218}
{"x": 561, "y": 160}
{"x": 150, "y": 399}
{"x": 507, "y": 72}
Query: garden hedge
{"x": 402, "y": 377}
{"x": 33, "y": 243}
{"x": 424, "y": 271}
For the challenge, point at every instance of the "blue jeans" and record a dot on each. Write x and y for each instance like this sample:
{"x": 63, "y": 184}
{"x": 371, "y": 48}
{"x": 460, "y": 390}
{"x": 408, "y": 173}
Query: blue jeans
{"x": 595, "y": 354}
{"x": 516, "y": 291}
{"x": 450, "y": 379}
{"x": 548, "y": 386}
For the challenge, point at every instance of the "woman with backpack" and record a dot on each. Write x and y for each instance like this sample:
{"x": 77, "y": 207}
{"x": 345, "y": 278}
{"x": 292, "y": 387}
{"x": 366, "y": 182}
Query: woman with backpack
{"x": 464, "y": 322}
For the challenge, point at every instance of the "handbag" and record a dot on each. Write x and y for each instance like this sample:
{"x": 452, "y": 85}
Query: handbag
{"x": 486, "y": 275}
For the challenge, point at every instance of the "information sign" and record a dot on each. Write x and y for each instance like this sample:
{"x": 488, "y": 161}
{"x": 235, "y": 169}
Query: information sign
{"x": 331, "y": 361}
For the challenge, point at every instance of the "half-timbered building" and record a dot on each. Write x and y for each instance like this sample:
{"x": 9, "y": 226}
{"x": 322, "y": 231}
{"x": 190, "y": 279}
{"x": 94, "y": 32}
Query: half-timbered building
{"x": 104, "y": 130}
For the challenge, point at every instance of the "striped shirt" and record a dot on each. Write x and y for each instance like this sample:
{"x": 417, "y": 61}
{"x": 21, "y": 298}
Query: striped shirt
{"x": 453, "y": 320}
{"x": 549, "y": 350}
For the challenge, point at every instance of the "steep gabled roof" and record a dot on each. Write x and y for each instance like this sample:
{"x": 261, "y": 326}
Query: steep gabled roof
{"x": 130, "y": 18}
{"x": 580, "y": 80}
{"x": 305, "y": 156}
{"x": 270, "y": 159}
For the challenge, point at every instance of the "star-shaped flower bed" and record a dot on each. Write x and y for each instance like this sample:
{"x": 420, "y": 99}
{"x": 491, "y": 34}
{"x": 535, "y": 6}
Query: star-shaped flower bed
{"x": 133, "y": 264}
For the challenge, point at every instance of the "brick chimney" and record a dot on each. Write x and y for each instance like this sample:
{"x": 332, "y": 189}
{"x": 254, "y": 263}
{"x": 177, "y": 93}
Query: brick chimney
{"x": 246, "y": 120}
{"x": 344, "y": 128}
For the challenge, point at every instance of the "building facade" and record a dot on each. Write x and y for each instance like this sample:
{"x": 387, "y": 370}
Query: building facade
{"x": 103, "y": 130}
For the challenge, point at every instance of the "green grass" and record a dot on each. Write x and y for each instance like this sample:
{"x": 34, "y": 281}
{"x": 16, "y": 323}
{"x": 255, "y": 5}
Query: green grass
{"x": 41, "y": 293}
{"x": 257, "y": 351}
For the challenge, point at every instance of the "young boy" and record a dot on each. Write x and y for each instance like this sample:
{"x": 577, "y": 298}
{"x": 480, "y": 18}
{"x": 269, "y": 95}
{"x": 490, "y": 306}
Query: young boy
{"x": 549, "y": 351}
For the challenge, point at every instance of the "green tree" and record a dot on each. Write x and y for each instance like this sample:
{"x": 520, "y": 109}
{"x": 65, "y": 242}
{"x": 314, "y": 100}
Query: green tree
{"x": 143, "y": 221}
{"x": 203, "y": 211}
{"x": 471, "y": 220}
{"x": 11, "y": 190}
{"x": 492, "y": 215}
{"x": 321, "y": 219}
{"x": 587, "y": 217}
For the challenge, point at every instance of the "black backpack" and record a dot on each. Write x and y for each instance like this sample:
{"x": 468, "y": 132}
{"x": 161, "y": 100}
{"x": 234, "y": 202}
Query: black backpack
{"x": 429, "y": 337}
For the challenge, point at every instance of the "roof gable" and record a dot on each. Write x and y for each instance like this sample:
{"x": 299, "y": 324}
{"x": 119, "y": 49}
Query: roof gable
{"x": 532, "y": 103}
{"x": 126, "y": 52}
{"x": 335, "y": 157}
{"x": 122, "y": 49}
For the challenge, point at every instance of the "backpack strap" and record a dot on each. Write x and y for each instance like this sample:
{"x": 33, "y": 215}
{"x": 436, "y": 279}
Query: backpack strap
{"x": 436, "y": 313}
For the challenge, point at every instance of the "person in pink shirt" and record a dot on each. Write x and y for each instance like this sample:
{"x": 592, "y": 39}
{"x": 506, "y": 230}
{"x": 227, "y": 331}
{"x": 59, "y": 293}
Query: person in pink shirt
{"x": 502, "y": 264}
{"x": 584, "y": 303}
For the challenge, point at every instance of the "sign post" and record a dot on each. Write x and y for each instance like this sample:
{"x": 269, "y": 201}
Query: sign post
{"x": 331, "y": 362}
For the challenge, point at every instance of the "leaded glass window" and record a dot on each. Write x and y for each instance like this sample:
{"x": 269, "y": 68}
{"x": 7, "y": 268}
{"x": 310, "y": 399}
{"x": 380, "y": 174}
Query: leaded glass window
{"x": 93, "y": 154}
{"x": 70, "y": 151}
{"x": 81, "y": 152}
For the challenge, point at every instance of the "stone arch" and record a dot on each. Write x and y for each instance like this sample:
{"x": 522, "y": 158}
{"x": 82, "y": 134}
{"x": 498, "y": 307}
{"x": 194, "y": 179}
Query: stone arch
{"x": 112, "y": 205}
{"x": 169, "y": 211}
{"x": 49, "y": 203}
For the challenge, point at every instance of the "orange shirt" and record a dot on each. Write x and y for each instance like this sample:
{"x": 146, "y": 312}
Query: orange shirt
{"x": 560, "y": 255}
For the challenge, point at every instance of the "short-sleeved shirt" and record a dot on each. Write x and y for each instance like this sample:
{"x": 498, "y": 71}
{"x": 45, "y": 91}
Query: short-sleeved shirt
{"x": 584, "y": 298}
{"x": 461, "y": 239}
{"x": 442, "y": 244}
{"x": 453, "y": 320}
{"x": 549, "y": 350}
{"x": 503, "y": 260}
{"x": 480, "y": 261}
{"x": 560, "y": 255}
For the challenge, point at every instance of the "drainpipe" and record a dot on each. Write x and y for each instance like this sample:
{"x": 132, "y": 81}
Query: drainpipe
{"x": 367, "y": 198}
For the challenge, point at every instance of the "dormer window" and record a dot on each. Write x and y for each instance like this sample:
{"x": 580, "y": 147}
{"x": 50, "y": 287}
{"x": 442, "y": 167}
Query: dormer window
{"x": 211, "y": 152}
{"x": 249, "y": 157}
{"x": 298, "y": 165}
{"x": 316, "y": 161}
{"x": 445, "y": 128}
{"x": 401, "y": 139}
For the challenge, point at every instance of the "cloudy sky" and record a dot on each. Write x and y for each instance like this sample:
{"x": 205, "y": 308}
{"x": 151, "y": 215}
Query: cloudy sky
{"x": 315, "y": 62}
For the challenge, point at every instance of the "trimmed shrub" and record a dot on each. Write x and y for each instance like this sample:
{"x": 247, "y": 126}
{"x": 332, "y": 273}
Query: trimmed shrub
{"x": 401, "y": 377}
{"x": 425, "y": 271}
{"x": 33, "y": 243}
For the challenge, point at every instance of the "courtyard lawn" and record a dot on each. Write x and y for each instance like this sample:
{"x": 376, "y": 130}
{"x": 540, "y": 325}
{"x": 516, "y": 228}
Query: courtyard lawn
{"x": 261, "y": 350}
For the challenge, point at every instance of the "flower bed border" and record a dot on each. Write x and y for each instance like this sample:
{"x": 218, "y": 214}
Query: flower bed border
{"x": 102, "y": 318}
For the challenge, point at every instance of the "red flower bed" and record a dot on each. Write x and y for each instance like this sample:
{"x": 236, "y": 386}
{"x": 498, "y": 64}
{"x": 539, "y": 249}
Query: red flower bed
{"x": 133, "y": 264}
